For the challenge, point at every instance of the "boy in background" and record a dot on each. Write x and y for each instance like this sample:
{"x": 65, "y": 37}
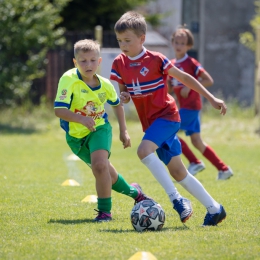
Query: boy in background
{"x": 141, "y": 75}
{"x": 79, "y": 104}
{"x": 190, "y": 105}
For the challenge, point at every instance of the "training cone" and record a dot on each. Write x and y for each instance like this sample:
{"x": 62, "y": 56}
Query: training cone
{"x": 90, "y": 198}
{"x": 143, "y": 256}
{"x": 70, "y": 182}
{"x": 73, "y": 157}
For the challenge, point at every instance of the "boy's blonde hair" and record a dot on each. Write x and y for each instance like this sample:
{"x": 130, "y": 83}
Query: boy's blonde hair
{"x": 85, "y": 46}
{"x": 131, "y": 21}
{"x": 183, "y": 31}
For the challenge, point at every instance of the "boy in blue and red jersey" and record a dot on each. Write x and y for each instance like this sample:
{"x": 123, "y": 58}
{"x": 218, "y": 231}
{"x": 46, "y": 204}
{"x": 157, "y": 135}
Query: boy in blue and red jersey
{"x": 190, "y": 105}
{"x": 142, "y": 75}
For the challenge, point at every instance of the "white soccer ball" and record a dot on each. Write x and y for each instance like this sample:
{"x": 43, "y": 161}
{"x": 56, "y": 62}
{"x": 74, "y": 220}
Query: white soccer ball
{"x": 147, "y": 215}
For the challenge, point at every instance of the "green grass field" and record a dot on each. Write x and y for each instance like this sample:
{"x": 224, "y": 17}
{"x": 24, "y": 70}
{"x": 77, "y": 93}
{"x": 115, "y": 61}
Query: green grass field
{"x": 41, "y": 219}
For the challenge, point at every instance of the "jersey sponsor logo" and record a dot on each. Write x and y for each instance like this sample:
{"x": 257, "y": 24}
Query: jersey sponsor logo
{"x": 136, "y": 87}
{"x": 62, "y": 97}
{"x": 79, "y": 112}
{"x": 64, "y": 92}
{"x": 135, "y": 64}
{"x": 144, "y": 71}
{"x": 84, "y": 91}
{"x": 92, "y": 110}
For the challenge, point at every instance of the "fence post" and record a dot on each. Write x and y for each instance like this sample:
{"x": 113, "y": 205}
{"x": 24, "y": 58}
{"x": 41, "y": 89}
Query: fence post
{"x": 257, "y": 73}
{"x": 99, "y": 38}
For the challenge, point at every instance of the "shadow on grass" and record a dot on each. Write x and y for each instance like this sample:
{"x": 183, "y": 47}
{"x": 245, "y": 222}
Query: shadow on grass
{"x": 8, "y": 129}
{"x": 70, "y": 221}
{"x": 182, "y": 228}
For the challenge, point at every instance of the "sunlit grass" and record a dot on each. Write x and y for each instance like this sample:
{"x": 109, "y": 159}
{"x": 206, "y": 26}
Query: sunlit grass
{"x": 40, "y": 219}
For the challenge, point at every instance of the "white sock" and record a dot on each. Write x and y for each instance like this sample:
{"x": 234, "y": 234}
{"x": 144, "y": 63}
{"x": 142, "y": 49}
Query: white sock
{"x": 156, "y": 167}
{"x": 195, "y": 188}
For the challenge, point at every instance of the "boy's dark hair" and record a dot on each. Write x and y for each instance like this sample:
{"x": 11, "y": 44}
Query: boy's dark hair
{"x": 85, "y": 46}
{"x": 182, "y": 30}
{"x": 131, "y": 21}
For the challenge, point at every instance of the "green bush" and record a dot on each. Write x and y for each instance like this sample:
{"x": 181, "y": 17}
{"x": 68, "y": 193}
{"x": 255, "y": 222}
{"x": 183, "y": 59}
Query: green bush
{"x": 27, "y": 30}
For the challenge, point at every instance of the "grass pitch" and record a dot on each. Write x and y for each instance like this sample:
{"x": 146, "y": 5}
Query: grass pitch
{"x": 41, "y": 219}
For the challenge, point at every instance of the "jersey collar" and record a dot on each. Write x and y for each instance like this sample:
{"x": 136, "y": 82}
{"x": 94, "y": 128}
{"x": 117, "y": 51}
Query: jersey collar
{"x": 139, "y": 55}
{"x": 80, "y": 77}
{"x": 183, "y": 59}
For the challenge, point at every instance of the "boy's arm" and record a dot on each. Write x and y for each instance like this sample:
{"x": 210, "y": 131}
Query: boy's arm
{"x": 69, "y": 116}
{"x": 120, "y": 115}
{"x": 124, "y": 94}
{"x": 205, "y": 79}
{"x": 194, "y": 84}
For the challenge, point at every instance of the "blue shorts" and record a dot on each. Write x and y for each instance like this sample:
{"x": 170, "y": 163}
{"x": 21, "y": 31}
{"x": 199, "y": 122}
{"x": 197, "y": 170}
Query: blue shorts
{"x": 190, "y": 121}
{"x": 163, "y": 132}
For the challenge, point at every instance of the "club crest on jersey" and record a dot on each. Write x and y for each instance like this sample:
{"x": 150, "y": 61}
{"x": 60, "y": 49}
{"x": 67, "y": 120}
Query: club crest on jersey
{"x": 135, "y": 64}
{"x": 102, "y": 97}
{"x": 144, "y": 71}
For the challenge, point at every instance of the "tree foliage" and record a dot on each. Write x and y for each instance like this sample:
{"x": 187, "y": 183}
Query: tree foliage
{"x": 83, "y": 15}
{"x": 248, "y": 38}
{"x": 28, "y": 28}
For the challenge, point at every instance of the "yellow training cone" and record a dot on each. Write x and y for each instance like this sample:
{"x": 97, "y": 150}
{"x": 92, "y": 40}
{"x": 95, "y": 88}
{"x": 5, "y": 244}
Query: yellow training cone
{"x": 70, "y": 182}
{"x": 143, "y": 256}
{"x": 90, "y": 198}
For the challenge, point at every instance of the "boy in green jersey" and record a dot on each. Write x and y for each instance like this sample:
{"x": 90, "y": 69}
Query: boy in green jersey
{"x": 79, "y": 104}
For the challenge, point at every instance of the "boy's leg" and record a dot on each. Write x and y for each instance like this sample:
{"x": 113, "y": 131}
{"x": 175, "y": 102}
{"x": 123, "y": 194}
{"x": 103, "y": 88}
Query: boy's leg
{"x": 100, "y": 169}
{"x": 191, "y": 184}
{"x": 156, "y": 136}
{"x": 215, "y": 211}
{"x": 157, "y": 168}
{"x": 224, "y": 171}
{"x": 188, "y": 153}
{"x": 195, "y": 165}
{"x": 120, "y": 185}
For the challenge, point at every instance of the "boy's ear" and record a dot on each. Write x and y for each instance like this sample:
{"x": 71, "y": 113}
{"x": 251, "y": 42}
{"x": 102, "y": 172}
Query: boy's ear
{"x": 75, "y": 62}
{"x": 142, "y": 38}
{"x": 99, "y": 60}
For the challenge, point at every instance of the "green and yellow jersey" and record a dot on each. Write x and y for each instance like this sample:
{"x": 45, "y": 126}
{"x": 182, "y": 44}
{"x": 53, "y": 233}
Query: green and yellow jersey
{"x": 74, "y": 94}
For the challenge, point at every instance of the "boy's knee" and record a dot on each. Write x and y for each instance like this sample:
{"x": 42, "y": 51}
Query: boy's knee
{"x": 142, "y": 152}
{"x": 99, "y": 166}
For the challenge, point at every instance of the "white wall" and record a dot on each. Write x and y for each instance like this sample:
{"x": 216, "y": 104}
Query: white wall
{"x": 170, "y": 23}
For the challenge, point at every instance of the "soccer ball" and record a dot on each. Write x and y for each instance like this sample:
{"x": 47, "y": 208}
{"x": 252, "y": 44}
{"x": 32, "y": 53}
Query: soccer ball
{"x": 147, "y": 215}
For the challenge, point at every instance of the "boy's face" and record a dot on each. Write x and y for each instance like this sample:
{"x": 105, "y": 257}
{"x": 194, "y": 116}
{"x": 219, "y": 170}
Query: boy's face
{"x": 129, "y": 43}
{"x": 87, "y": 63}
{"x": 180, "y": 45}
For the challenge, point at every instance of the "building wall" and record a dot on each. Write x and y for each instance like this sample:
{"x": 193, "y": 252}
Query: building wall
{"x": 229, "y": 62}
{"x": 217, "y": 45}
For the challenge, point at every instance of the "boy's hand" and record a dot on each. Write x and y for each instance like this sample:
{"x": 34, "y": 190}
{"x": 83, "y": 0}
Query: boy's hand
{"x": 124, "y": 97}
{"x": 125, "y": 139}
{"x": 220, "y": 105}
{"x": 89, "y": 123}
{"x": 185, "y": 92}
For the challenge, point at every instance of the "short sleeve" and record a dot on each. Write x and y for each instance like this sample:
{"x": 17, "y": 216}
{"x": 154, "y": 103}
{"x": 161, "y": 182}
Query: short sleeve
{"x": 64, "y": 93}
{"x": 115, "y": 72}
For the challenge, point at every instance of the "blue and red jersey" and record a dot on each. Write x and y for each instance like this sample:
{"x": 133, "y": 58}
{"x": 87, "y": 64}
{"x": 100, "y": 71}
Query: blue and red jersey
{"x": 145, "y": 79}
{"x": 194, "y": 68}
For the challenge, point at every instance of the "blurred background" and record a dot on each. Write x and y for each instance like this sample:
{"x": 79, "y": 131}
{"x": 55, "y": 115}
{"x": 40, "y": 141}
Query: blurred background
{"x": 37, "y": 38}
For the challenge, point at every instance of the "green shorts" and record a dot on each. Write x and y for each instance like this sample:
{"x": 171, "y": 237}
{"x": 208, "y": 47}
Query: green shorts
{"x": 101, "y": 139}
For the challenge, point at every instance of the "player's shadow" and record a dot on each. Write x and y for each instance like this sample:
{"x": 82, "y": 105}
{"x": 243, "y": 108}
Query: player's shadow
{"x": 181, "y": 228}
{"x": 70, "y": 221}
